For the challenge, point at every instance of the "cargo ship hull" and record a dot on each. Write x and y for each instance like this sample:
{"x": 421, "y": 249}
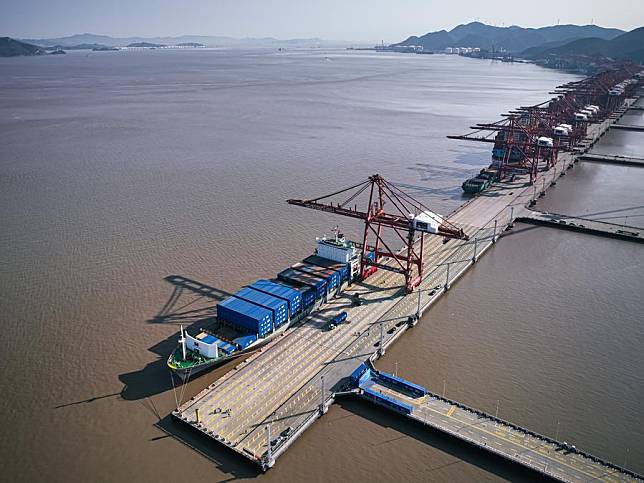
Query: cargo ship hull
{"x": 264, "y": 309}
{"x": 185, "y": 371}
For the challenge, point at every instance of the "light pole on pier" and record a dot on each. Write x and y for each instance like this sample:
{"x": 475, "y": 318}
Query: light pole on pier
{"x": 447, "y": 277}
{"x": 476, "y": 245}
{"x": 381, "y": 347}
{"x": 494, "y": 234}
{"x": 322, "y": 405}
{"x": 557, "y": 434}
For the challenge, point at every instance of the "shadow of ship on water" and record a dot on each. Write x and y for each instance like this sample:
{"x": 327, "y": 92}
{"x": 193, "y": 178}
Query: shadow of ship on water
{"x": 155, "y": 379}
{"x": 191, "y": 304}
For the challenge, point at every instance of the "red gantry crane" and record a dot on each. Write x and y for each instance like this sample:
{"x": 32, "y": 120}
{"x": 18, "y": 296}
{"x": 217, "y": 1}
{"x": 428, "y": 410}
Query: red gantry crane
{"x": 530, "y": 135}
{"x": 405, "y": 216}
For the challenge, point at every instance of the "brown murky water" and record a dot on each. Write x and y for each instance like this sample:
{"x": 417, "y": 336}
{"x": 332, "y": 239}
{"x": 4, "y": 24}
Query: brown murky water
{"x": 119, "y": 169}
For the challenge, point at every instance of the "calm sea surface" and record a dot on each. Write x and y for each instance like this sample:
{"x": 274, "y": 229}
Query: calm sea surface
{"x": 118, "y": 169}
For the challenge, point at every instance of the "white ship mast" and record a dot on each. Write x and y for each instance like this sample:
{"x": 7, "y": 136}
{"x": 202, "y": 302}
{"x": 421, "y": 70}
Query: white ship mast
{"x": 182, "y": 341}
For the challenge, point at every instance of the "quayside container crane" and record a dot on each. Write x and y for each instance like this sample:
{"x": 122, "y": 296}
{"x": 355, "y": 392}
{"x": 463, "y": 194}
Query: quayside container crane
{"x": 406, "y": 217}
{"x": 522, "y": 139}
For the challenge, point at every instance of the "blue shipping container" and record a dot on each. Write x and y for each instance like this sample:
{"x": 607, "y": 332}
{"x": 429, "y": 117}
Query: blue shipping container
{"x": 341, "y": 268}
{"x": 277, "y": 306}
{"x": 296, "y": 277}
{"x": 308, "y": 297}
{"x": 245, "y": 340}
{"x": 226, "y": 347}
{"x": 210, "y": 339}
{"x": 332, "y": 277}
{"x": 244, "y": 315}
{"x": 289, "y": 294}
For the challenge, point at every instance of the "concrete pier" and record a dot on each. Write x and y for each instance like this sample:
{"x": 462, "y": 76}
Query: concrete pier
{"x": 586, "y": 225}
{"x": 261, "y": 406}
{"x": 612, "y": 159}
{"x": 554, "y": 459}
{"x": 628, "y": 127}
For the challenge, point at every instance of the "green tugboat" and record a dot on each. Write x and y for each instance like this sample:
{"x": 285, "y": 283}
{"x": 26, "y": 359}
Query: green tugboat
{"x": 475, "y": 185}
{"x": 481, "y": 182}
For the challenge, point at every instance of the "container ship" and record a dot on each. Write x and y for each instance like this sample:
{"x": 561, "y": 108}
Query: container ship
{"x": 264, "y": 309}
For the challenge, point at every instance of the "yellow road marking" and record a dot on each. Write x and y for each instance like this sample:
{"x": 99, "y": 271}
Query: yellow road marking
{"x": 451, "y": 411}
{"x": 527, "y": 448}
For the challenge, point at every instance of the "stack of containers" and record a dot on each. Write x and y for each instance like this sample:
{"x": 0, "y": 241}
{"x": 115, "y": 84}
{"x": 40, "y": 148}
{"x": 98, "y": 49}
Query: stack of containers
{"x": 332, "y": 278}
{"x": 308, "y": 297}
{"x": 341, "y": 268}
{"x": 300, "y": 279}
{"x": 277, "y": 306}
{"x": 292, "y": 296}
{"x": 246, "y": 316}
{"x": 245, "y": 340}
{"x": 226, "y": 347}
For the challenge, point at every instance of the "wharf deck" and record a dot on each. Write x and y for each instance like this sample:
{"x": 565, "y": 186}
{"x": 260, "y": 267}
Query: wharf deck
{"x": 587, "y": 225}
{"x": 489, "y": 433}
{"x": 289, "y": 383}
{"x": 628, "y": 127}
{"x": 612, "y": 159}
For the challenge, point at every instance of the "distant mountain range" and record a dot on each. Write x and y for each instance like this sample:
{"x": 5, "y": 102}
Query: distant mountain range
{"x": 626, "y": 46}
{"x": 208, "y": 41}
{"x": 512, "y": 39}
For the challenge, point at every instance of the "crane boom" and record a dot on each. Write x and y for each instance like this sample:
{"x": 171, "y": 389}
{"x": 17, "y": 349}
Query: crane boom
{"x": 408, "y": 218}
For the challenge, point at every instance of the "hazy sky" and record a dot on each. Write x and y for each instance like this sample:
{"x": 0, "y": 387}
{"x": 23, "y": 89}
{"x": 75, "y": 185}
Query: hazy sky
{"x": 360, "y": 20}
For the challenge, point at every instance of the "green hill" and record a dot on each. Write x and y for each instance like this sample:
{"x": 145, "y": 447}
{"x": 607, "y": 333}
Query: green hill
{"x": 512, "y": 39}
{"x": 628, "y": 46}
{"x": 13, "y": 48}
